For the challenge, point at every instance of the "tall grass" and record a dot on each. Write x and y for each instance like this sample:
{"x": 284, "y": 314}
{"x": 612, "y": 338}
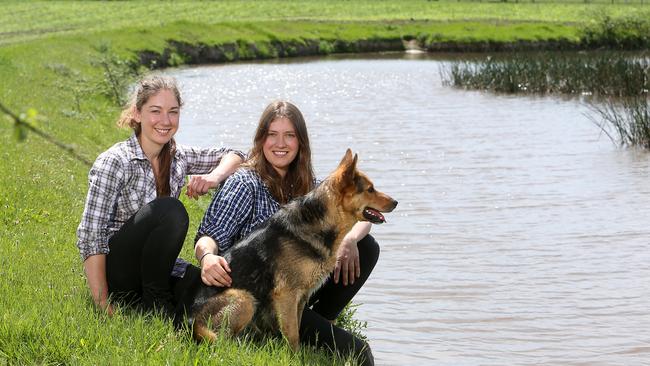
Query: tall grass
{"x": 625, "y": 121}
{"x": 598, "y": 73}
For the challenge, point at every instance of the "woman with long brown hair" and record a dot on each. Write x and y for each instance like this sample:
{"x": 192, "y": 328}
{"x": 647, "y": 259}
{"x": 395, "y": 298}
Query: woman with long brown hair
{"x": 133, "y": 225}
{"x": 278, "y": 169}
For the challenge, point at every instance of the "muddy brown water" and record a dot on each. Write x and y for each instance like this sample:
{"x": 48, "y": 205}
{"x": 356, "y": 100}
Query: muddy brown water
{"x": 522, "y": 233}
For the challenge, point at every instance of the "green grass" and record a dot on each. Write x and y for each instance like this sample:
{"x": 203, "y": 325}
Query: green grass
{"x": 46, "y": 316}
{"x": 29, "y": 20}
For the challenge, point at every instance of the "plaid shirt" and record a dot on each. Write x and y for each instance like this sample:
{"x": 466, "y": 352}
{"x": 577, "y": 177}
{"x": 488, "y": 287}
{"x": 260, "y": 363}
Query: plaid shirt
{"x": 240, "y": 206}
{"x": 121, "y": 181}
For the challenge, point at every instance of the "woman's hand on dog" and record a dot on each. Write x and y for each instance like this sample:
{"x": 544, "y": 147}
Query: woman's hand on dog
{"x": 214, "y": 271}
{"x": 214, "y": 268}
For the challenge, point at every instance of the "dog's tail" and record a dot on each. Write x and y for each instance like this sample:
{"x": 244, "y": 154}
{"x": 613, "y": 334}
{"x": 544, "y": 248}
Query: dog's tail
{"x": 231, "y": 310}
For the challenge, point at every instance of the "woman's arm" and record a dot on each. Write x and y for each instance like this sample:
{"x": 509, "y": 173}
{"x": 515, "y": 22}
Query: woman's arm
{"x": 347, "y": 258}
{"x": 95, "y": 269}
{"x": 104, "y": 181}
{"x": 214, "y": 268}
{"x": 201, "y": 184}
{"x": 222, "y": 222}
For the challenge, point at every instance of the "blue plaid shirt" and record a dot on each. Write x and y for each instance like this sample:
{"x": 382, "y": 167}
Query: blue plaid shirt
{"x": 239, "y": 207}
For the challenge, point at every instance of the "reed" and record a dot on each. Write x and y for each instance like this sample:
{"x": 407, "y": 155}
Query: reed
{"x": 625, "y": 121}
{"x": 600, "y": 73}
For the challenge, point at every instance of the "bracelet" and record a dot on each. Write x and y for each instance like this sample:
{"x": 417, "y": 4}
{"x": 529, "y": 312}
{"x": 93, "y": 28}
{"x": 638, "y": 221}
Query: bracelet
{"x": 203, "y": 256}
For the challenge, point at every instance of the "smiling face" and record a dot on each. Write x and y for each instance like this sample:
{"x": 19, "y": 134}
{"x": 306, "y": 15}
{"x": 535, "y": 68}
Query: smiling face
{"x": 158, "y": 118}
{"x": 281, "y": 145}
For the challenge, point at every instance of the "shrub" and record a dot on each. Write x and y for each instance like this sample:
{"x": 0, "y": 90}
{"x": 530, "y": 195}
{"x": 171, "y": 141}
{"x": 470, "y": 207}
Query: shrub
{"x": 347, "y": 321}
{"x": 624, "y": 33}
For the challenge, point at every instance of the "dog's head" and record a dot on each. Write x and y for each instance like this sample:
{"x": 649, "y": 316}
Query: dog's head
{"x": 358, "y": 195}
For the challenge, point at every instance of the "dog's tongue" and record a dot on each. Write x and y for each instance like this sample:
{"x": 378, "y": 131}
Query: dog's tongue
{"x": 373, "y": 216}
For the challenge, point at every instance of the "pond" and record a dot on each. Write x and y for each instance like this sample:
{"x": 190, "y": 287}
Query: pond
{"x": 522, "y": 233}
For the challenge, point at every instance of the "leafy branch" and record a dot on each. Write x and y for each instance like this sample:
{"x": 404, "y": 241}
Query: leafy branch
{"x": 118, "y": 73}
{"x": 25, "y": 122}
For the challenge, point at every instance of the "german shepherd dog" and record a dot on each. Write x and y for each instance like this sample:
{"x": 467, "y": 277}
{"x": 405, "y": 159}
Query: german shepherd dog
{"x": 277, "y": 267}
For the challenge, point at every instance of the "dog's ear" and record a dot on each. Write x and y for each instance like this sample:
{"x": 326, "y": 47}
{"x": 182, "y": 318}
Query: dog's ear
{"x": 347, "y": 158}
{"x": 347, "y": 168}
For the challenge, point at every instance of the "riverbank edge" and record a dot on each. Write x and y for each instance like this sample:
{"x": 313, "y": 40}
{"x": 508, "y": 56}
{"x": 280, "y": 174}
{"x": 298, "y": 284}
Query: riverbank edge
{"x": 341, "y": 38}
{"x": 179, "y": 53}
{"x": 271, "y": 40}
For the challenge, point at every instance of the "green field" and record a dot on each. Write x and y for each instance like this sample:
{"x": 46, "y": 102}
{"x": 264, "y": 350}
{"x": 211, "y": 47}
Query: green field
{"x": 48, "y": 61}
{"x": 29, "y": 20}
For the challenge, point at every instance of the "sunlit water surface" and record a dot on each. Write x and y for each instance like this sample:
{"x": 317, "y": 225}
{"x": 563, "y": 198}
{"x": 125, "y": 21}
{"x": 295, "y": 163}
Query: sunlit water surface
{"x": 522, "y": 233}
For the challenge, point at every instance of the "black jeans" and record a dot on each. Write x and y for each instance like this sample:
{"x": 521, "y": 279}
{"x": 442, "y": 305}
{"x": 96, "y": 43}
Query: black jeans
{"x": 142, "y": 255}
{"x": 328, "y": 302}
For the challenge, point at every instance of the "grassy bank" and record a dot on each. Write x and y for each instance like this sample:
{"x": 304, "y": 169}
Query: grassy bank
{"x": 45, "y": 312}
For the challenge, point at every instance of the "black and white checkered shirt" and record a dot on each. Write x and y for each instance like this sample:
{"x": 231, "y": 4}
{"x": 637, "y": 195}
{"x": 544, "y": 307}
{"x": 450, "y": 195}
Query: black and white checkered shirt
{"x": 121, "y": 181}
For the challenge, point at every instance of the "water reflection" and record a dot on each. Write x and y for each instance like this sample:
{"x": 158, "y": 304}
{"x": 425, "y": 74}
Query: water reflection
{"x": 521, "y": 236}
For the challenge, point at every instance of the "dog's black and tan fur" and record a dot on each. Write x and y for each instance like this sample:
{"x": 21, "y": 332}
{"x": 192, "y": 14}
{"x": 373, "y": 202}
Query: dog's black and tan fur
{"x": 277, "y": 268}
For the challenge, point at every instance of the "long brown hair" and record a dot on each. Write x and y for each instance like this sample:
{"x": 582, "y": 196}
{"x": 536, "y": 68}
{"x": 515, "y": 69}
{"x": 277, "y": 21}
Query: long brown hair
{"x": 299, "y": 179}
{"x": 146, "y": 88}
